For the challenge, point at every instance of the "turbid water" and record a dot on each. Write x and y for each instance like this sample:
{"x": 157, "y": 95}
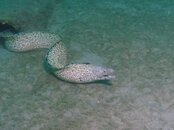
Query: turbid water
{"x": 133, "y": 37}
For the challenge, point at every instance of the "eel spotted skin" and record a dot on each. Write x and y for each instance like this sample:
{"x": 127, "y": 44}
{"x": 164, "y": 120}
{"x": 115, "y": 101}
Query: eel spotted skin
{"x": 56, "y": 57}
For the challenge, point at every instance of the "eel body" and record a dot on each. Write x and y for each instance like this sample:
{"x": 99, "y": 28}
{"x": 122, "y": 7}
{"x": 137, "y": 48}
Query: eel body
{"x": 56, "y": 57}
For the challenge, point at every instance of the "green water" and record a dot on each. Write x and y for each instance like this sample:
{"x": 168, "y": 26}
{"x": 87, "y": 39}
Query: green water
{"x": 134, "y": 37}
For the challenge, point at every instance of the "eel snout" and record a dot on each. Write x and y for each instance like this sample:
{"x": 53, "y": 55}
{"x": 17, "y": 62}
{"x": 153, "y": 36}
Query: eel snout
{"x": 104, "y": 73}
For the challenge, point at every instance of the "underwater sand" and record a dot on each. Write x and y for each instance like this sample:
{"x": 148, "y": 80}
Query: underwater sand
{"x": 135, "y": 38}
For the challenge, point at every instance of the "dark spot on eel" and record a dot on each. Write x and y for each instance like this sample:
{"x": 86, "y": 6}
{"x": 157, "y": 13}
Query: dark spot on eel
{"x": 6, "y": 27}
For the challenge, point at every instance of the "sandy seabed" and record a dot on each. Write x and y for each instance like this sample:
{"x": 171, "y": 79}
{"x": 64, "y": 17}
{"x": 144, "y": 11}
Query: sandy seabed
{"x": 135, "y": 38}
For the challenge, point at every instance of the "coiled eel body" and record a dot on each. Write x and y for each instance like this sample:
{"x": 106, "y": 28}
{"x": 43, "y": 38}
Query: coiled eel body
{"x": 56, "y": 57}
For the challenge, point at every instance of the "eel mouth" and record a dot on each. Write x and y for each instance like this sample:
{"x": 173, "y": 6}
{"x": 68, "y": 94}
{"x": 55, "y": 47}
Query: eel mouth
{"x": 107, "y": 77}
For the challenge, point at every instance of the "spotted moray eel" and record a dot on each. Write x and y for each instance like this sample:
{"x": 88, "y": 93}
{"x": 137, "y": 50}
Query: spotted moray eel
{"x": 56, "y": 57}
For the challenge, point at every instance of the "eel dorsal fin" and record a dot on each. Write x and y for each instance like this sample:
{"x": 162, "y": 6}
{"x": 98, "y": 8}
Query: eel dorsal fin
{"x": 87, "y": 63}
{"x": 6, "y": 27}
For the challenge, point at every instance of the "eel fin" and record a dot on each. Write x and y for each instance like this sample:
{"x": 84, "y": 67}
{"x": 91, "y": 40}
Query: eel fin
{"x": 87, "y": 63}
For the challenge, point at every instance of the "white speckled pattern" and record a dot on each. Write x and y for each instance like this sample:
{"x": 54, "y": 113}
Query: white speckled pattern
{"x": 84, "y": 73}
{"x": 30, "y": 41}
{"x": 56, "y": 57}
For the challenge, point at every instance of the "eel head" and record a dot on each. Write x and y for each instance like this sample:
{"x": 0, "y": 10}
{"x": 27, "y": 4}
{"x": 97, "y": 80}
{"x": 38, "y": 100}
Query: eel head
{"x": 84, "y": 73}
